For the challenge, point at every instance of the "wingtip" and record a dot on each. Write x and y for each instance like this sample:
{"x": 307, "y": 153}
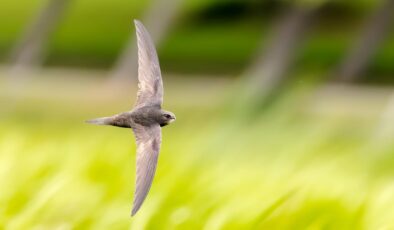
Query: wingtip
{"x": 134, "y": 211}
{"x": 136, "y": 22}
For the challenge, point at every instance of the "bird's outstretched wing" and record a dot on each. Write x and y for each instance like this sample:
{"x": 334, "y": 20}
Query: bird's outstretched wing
{"x": 148, "y": 147}
{"x": 150, "y": 84}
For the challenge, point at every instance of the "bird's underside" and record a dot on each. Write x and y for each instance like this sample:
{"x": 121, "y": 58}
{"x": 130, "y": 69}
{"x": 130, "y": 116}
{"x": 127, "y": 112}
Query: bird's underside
{"x": 146, "y": 118}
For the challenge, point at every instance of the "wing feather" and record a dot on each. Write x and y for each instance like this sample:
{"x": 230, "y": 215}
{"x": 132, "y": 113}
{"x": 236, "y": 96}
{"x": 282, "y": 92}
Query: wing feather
{"x": 148, "y": 147}
{"x": 150, "y": 83}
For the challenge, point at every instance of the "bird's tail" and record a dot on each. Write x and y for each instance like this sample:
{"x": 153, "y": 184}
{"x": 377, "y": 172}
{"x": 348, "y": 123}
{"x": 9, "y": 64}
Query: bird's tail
{"x": 101, "y": 121}
{"x": 120, "y": 120}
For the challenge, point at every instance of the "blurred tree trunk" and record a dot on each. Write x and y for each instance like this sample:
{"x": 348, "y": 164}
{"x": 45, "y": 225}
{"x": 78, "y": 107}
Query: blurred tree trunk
{"x": 369, "y": 40}
{"x": 29, "y": 52}
{"x": 157, "y": 20}
{"x": 272, "y": 63}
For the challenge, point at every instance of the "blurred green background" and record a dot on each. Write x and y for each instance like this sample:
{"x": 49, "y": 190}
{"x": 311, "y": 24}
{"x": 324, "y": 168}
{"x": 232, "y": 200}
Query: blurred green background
{"x": 285, "y": 114}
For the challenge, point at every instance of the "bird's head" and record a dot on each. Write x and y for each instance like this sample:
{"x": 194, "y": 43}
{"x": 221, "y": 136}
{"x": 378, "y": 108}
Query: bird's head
{"x": 166, "y": 118}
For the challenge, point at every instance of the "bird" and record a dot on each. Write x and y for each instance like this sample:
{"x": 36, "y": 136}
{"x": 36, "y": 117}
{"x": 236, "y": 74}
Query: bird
{"x": 146, "y": 118}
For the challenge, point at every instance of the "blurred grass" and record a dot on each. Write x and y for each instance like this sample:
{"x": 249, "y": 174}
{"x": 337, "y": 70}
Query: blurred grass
{"x": 287, "y": 169}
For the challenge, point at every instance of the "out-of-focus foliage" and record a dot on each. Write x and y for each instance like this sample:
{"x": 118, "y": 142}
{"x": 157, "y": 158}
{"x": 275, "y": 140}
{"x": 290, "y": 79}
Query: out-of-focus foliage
{"x": 218, "y": 37}
{"x": 314, "y": 155}
{"x": 285, "y": 169}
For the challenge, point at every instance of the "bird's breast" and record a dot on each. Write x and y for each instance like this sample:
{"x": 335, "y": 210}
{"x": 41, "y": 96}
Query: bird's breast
{"x": 145, "y": 116}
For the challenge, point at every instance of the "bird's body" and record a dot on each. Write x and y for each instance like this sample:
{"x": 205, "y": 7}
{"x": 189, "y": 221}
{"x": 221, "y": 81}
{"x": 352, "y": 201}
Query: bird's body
{"x": 146, "y": 118}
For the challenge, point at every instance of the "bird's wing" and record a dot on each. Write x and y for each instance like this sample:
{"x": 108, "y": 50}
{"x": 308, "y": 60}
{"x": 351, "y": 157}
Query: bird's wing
{"x": 148, "y": 147}
{"x": 150, "y": 84}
